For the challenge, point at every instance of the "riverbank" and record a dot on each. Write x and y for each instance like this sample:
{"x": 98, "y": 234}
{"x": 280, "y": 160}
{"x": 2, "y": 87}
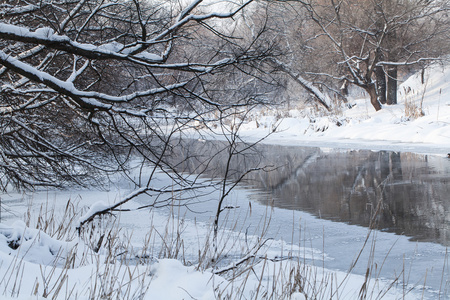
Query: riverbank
{"x": 420, "y": 122}
{"x": 167, "y": 252}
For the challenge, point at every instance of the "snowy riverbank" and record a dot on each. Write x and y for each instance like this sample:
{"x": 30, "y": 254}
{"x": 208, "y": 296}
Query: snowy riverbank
{"x": 61, "y": 265}
{"x": 398, "y": 127}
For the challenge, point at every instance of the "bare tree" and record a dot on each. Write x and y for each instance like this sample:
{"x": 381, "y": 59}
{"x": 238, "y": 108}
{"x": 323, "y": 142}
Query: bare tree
{"x": 287, "y": 25}
{"x": 89, "y": 86}
{"x": 370, "y": 39}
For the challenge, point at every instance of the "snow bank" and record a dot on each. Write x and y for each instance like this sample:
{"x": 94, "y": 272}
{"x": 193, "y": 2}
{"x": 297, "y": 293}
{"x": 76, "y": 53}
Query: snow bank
{"x": 420, "y": 122}
{"x": 33, "y": 245}
{"x": 40, "y": 262}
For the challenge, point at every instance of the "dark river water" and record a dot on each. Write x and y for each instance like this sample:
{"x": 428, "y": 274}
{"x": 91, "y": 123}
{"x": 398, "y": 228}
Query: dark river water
{"x": 326, "y": 199}
{"x": 404, "y": 193}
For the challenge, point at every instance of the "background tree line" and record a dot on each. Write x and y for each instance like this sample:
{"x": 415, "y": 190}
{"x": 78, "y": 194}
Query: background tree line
{"x": 370, "y": 44}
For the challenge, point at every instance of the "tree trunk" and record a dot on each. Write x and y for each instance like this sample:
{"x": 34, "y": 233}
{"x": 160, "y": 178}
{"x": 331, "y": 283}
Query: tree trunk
{"x": 372, "y": 91}
{"x": 392, "y": 85}
{"x": 381, "y": 84}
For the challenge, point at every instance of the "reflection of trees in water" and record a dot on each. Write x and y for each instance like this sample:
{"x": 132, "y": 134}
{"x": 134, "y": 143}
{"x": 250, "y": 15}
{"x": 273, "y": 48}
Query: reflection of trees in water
{"x": 415, "y": 197}
{"x": 346, "y": 185}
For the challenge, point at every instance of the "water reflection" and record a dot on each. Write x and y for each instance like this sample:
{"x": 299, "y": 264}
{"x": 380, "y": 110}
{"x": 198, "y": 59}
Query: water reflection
{"x": 399, "y": 192}
{"x": 404, "y": 193}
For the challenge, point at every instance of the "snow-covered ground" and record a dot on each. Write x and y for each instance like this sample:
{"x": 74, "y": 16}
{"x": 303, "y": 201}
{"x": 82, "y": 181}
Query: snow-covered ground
{"x": 395, "y": 127}
{"x": 47, "y": 264}
{"x": 60, "y": 264}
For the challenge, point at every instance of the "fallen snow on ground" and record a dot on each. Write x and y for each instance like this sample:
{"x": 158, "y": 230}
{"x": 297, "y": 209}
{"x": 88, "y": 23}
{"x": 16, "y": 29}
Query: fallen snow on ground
{"x": 36, "y": 266}
{"x": 420, "y": 121}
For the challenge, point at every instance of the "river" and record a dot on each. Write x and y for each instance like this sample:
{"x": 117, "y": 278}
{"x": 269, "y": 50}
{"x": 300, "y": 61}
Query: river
{"x": 329, "y": 198}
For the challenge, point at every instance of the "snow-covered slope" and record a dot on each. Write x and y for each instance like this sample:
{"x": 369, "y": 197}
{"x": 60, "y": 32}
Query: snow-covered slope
{"x": 420, "y": 122}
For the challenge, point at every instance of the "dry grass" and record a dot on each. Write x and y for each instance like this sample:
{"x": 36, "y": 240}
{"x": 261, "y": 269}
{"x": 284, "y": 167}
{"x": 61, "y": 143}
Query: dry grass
{"x": 118, "y": 271}
{"x": 413, "y": 108}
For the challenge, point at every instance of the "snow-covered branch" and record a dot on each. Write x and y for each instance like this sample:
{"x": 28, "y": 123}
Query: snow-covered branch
{"x": 322, "y": 98}
{"x": 100, "y": 208}
{"x": 408, "y": 63}
{"x": 85, "y": 99}
{"x": 111, "y": 80}
{"x": 47, "y": 37}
